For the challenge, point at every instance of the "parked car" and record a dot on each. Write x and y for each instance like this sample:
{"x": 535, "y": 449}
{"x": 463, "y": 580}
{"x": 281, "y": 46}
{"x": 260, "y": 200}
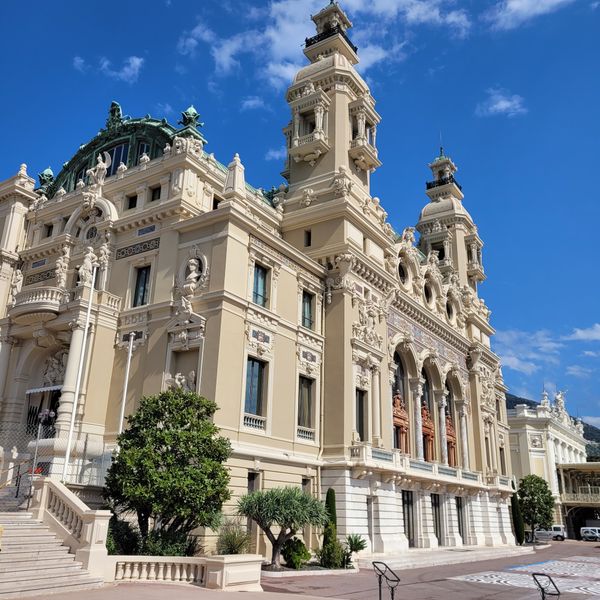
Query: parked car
{"x": 590, "y": 534}
{"x": 556, "y": 532}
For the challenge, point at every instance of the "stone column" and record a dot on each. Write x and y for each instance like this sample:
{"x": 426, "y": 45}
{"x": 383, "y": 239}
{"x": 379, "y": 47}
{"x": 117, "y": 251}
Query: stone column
{"x": 67, "y": 397}
{"x": 374, "y": 136}
{"x": 296, "y": 126}
{"x": 552, "y": 464}
{"x": 442, "y": 420}
{"x": 464, "y": 442}
{"x": 6, "y": 345}
{"x": 376, "y": 406}
{"x": 416, "y": 390}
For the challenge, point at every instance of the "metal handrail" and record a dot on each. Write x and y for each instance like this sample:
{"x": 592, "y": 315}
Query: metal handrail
{"x": 545, "y": 585}
{"x": 382, "y": 571}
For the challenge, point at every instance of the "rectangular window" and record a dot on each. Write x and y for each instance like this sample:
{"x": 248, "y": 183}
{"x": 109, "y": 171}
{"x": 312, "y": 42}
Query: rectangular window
{"x": 131, "y": 202}
{"x": 154, "y": 194}
{"x": 118, "y": 155}
{"x": 142, "y": 286}
{"x": 48, "y": 230}
{"x": 408, "y": 517}
{"x": 143, "y": 148}
{"x": 307, "y": 238}
{"x": 305, "y": 402}
{"x": 81, "y": 175}
{"x": 361, "y": 429}
{"x": 437, "y": 517}
{"x": 308, "y": 302}
{"x": 259, "y": 291}
{"x": 255, "y": 380}
{"x": 502, "y": 461}
{"x": 460, "y": 517}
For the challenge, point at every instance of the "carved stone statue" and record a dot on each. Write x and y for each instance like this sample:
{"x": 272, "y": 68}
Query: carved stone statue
{"x": 16, "y": 284}
{"x": 86, "y": 269}
{"x": 97, "y": 175}
{"x": 104, "y": 253}
{"x": 179, "y": 380}
{"x": 408, "y": 236}
{"x": 55, "y": 368}
{"x": 62, "y": 266}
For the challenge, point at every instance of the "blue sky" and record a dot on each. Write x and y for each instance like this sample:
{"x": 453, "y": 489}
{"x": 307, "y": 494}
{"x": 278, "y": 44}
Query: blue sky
{"x": 512, "y": 85}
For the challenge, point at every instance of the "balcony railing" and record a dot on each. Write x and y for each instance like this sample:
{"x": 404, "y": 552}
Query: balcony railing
{"x": 255, "y": 422}
{"x": 580, "y": 499}
{"x": 327, "y": 34}
{"x": 305, "y": 433}
{"x": 443, "y": 181}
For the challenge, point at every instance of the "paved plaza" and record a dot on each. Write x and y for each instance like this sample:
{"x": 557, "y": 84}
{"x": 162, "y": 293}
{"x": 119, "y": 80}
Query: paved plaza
{"x": 575, "y": 566}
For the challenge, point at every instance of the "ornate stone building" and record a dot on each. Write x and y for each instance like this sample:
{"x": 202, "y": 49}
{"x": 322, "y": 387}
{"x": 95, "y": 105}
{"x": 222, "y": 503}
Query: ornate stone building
{"x": 543, "y": 440}
{"x": 341, "y": 354}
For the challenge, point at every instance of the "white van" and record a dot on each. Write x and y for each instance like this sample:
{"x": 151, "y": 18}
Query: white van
{"x": 556, "y": 532}
{"x": 590, "y": 534}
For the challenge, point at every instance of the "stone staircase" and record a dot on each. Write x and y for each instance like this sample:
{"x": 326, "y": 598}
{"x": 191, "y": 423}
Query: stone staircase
{"x": 33, "y": 560}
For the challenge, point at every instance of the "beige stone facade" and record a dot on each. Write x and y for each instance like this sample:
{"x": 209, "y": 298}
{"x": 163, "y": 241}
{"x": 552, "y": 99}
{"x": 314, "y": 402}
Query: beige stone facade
{"x": 340, "y": 353}
{"x": 542, "y": 440}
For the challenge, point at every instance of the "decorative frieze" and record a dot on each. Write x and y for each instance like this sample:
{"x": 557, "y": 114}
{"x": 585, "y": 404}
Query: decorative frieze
{"x": 39, "y": 277}
{"x": 138, "y": 248}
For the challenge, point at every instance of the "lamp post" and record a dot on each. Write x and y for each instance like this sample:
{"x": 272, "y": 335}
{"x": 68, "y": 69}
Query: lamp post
{"x": 126, "y": 383}
{"x": 45, "y": 418}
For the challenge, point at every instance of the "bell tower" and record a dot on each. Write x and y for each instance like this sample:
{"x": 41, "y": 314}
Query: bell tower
{"x": 333, "y": 119}
{"x": 447, "y": 228}
{"x": 331, "y": 143}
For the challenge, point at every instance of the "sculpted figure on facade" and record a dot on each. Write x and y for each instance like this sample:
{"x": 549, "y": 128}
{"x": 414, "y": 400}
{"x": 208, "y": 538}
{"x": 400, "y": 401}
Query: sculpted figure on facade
{"x": 97, "y": 175}
{"x": 86, "y": 270}
{"x": 179, "y": 380}
{"x": 16, "y": 284}
{"x": 342, "y": 184}
{"x": 54, "y": 372}
{"x": 62, "y": 266}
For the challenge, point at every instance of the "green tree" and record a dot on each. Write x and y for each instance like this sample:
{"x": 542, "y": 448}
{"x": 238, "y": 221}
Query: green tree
{"x": 169, "y": 468}
{"x": 331, "y": 508}
{"x": 287, "y": 509}
{"x": 536, "y": 502}
{"x": 517, "y": 519}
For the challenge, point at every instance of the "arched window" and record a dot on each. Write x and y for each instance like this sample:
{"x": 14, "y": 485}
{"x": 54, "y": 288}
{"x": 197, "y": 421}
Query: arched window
{"x": 399, "y": 376}
{"x": 450, "y": 429}
{"x": 427, "y": 424}
{"x": 426, "y": 396}
{"x": 399, "y": 408}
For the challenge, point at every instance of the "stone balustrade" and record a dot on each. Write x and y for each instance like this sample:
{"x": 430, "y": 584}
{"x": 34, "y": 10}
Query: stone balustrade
{"x": 84, "y": 531}
{"x": 397, "y": 463}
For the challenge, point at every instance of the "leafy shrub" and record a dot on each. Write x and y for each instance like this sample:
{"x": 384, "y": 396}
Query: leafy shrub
{"x": 356, "y": 542}
{"x": 170, "y": 543}
{"x": 330, "y": 505}
{"x": 122, "y": 538}
{"x": 233, "y": 538}
{"x": 517, "y": 518}
{"x": 295, "y": 553}
{"x": 333, "y": 555}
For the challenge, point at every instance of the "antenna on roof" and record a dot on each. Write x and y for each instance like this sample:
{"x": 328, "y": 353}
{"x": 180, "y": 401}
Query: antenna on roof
{"x": 441, "y": 144}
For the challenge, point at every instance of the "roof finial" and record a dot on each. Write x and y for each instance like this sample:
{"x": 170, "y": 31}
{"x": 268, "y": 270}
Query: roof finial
{"x": 441, "y": 145}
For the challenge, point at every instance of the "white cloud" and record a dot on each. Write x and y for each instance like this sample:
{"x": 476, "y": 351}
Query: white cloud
{"x": 252, "y": 102}
{"x": 501, "y": 102}
{"x": 595, "y": 421}
{"x": 594, "y": 5}
{"x": 508, "y": 14}
{"x": 527, "y": 351}
{"x": 591, "y": 353}
{"x": 578, "y": 371}
{"x": 416, "y": 12}
{"x": 188, "y": 41}
{"x": 278, "y": 47}
{"x": 79, "y": 64}
{"x": 276, "y": 153}
{"x": 590, "y": 334}
{"x": 129, "y": 72}
{"x": 164, "y": 108}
